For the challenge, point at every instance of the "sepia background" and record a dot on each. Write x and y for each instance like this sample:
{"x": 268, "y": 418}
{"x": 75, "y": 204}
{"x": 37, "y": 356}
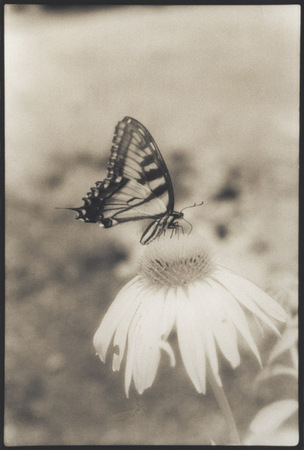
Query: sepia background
{"x": 218, "y": 88}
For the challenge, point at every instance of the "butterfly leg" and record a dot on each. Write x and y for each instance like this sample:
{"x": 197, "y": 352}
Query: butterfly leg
{"x": 190, "y": 230}
{"x": 180, "y": 227}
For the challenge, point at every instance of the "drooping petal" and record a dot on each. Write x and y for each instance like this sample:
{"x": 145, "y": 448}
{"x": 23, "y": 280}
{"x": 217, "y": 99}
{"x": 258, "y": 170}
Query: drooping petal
{"x": 261, "y": 298}
{"x": 145, "y": 339}
{"x": 123, "y": 306}
{"x": 147, "y": 358}
{"x": 190, "y": 340}
{"x": 168, "y": 317}
{"x": 129, "y": 368}
{"x": 120, "y": 336}
{"x": 164, "y": 345}
{"x": 241, "y": 291}
{"x": 199, "y": 294}
{"x": 219, "y": 323}
{"x": 235, "y": 313}
{"x": 226, "y": 338}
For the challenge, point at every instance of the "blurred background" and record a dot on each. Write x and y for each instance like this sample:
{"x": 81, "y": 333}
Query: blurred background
{"x": 218, "y": 88}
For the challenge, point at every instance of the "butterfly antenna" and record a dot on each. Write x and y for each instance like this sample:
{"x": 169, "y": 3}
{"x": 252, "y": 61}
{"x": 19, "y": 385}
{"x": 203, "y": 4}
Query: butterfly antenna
{"x": 192, "y": 206}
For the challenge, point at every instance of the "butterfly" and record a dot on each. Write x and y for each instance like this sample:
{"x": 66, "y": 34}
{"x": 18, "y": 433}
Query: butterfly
{"x": 138, "y": 185}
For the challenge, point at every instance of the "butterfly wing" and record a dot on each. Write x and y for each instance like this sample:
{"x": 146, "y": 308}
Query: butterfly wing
{"x": 138, "y": 184}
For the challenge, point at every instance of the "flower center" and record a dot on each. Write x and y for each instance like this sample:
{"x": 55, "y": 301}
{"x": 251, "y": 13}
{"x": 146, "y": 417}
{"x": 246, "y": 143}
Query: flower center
{"x": 177, "y": 261}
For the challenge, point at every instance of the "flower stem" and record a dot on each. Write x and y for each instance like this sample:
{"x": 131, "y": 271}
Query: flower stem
{"x": 224, "y": 406}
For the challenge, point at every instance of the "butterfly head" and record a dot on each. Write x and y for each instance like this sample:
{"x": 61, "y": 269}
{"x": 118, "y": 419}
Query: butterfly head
{"x": 175, "y": 216}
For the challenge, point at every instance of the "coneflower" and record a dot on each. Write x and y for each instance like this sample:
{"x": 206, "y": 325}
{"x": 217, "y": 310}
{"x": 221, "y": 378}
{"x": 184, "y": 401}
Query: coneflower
{"x": 180, "y": 285}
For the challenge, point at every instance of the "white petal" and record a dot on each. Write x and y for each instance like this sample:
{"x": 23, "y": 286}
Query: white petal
{"x": 151, "y": 341}
{"x": 190, "y": 340}
{"x": 126, "y": 301}
{"x": 145, "y": 339}
{"x": 129, "y": 368}
{"x": 123, "y": 326}
{"x": 169, "y": 314}
{"x": 243, "y": 296}
{"x": 220, "y": 324}
{"x": 263, "y": 300}
{"x": 200, "y": 294}
{"x": 120, "y": 337}
{"x": 235, "y": 313}
{"x": 164, "y": 345}
{"x": 226, "y": 338}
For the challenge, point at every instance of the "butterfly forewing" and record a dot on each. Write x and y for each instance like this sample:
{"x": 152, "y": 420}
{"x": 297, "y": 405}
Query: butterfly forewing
{"x": 135, "y": 155}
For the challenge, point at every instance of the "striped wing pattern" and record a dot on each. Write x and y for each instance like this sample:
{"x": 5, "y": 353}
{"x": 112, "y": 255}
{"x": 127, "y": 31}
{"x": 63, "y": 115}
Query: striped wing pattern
{"x": 137, "y": 186}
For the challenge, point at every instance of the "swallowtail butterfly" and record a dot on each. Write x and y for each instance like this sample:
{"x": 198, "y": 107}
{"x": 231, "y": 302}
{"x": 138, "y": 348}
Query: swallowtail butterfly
{"x": 138, "y": 185}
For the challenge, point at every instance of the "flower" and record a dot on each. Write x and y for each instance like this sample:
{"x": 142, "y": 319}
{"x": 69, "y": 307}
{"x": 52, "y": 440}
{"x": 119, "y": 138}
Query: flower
{"x": 179, "y": 284}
